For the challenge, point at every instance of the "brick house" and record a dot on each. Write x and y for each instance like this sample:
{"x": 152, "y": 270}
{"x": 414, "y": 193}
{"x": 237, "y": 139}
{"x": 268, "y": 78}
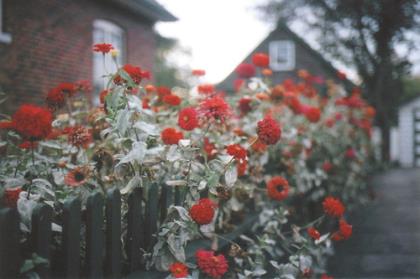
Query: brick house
{"x": 288, "y": 53}
{"x": 46, "y": 42}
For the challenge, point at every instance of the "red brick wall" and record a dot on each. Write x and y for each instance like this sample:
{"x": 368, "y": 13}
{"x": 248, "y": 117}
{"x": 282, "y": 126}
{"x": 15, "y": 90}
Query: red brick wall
{"x": 52, "y": 42}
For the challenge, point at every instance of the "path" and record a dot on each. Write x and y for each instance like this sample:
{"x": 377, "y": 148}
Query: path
{"x": 386, "y": 233}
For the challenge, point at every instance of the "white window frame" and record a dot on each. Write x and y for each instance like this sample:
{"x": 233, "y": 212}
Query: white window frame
{"x": 4, "y": 37}
{"x": 109, "y": 28}
{"x": 283, "y": 48}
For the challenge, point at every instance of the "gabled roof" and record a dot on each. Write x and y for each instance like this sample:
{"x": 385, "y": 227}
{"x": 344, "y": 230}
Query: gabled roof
{"x": 298, "y": 40}
{"x": 147, "y": 8}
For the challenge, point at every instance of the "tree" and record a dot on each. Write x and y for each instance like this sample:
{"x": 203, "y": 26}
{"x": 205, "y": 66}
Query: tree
{"x": 167, "y": 72}
{"x": 367, "y": 35}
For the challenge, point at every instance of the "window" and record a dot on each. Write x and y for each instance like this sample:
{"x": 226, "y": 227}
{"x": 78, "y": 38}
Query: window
{"x": 4, "y": 37}
{"x": 282, "y": 55}
{"x": 107, "y": 32}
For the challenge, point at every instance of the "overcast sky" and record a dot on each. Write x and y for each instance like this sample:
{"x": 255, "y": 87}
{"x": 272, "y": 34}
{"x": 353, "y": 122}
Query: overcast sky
{"x": 221, "y": 33}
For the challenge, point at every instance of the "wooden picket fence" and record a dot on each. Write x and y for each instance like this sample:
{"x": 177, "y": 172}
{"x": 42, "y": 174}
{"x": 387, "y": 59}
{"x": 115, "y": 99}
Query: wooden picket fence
{"x": 103, "y": 251}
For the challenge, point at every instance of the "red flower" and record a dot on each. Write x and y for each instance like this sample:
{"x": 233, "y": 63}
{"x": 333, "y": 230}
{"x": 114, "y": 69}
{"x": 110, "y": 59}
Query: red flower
{"x": 245, "y": 70}
{"x": 237, "y": 151}
{"x": 135, "y": 73}
{"x": 205, "y": 88}
{"x": 203, "y": 211}
{"x": 333, "y": 207}
{"x": 77, "y": 176}
{"x": 172, "y": 100}
{"x": 145, "y": 103}
{"x": 313, "y": 114}
{"x": 211, "y": 265}
{"x": 188, "y": 119}
{"x": 55, "y": 99}
{"x": 83, "y": 85}
{"x": 162, "y": 91}
{"x": 28, "y": 145}
{"x": 104, "y": 48}
{"x": 6, "y": 125}
{"x": 261, "y": 60}
{"x": 209, "y": 148}
{"x": 314, "y": 233}
{"x": 198, "y": 72}
{"x": 79, "y": 136}
{"x": 278, "y": 188}
{"x": 327, "y": 166}
{"x": 245, "y": 105}
{"x": 32, "y": 122}
{"x": 268, "y": 130}
{"x": 325, "y": 276}
{"x": 11, "y": 196}
{"x": 178, "y": 270}
{"x": 344, "y": 232}
{"x": 67, "y": 88}
{"x": 103, "y": 95}
{"x": 350, "y": 153}
{"x": 215, "y": 108}
{"x": 171, "y": 136}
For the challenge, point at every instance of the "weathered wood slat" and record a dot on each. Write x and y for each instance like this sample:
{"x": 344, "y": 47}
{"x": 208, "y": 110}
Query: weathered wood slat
{"x": 94, "y": 235}
{"x": 134, "y": 229}
{"x": 166, "y": 199}
{"x": 71, "y": 238}
{"x": 10, "y": 259}
{"x": 113, "y": 234}
{"x": 151, "y": 218}
{"x": 178, "y": 198}
{"x": 41, "y": 236}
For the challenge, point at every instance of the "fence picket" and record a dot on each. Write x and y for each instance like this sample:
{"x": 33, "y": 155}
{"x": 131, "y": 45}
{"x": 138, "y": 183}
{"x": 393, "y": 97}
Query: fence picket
{"x": 10, "y": 259}
{"x": 151, "y": 215}
{"x": 94, "y": 235}
{"x": 134, "y": 229}
{"x": 41, "y": 236}
{"x": 166, "y": 199}
{"x": 113, "y": 234}
{"x": 71, "y": 238}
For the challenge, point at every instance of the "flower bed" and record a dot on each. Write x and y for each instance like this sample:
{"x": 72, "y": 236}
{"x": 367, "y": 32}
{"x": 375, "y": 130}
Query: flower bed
{"x": 295, "y": 156}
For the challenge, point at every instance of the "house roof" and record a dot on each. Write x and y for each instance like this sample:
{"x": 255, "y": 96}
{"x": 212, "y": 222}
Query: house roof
{"x": 298, "y": 40}
{"x": 150, "y": 9}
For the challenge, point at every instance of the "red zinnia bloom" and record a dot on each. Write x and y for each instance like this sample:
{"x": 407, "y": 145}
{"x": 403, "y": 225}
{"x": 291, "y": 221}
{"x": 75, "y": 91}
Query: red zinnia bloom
{"x": 245, "y": 105}
{"x": 11, "y": 196}
{"x": 67, "y": 88}
{"x": 178, "y": 270}
{"x": 104, "y": 48}
{"x": 103, "y": 95}
{"x": 314, "y": 233}
{"x": 32, "y": 122}
{"x": 205, "y": 88}
{"x": 77, "y": 176}
{"x": 150, "y": 88}
{"x": 245, "y": 70}
{"x": 209, "y": 148}
{"x": 28, "y": 145}
{"x": 215, "y": 108}
{"x": 241, "y": 167}
{"x": 344, "y": 232}
{"x": 325, "y": 276}
{"x": 79, "y": 136}
{"x": 188, "y": 119}
{"x": 145, "y": 103}
{"x": 211, "y": 265}
{"x": 327, "y": 166}
{"x": 136, "y": 74}
{"x": 162, "y": 91}
{"x": 261, "y": 60}
{"x": 6, "y": 125}
{"x": 350, "y": 153}
{"x": 198, "y": 72}
{"x": 237, "y": 151}
{"x": 268, "y": 130}
{"x": 171, "y": 136}
{"x": 172, "y": 100}
{"x": 278, "y": 188}
{"x": 333, "y": 207}
{"x": 203, "y": 211}
{"x": 55, "y": 99}
{"x": 313, "y": 114}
